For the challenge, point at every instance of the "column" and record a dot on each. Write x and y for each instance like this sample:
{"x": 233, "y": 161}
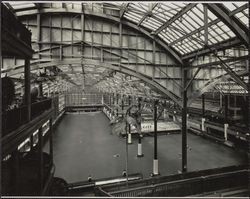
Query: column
{"x": 139, "y": 152}
{"x": 117, "y": 104}
{"x": 27, "y": 99}
{"x": 51, "y": 139}
{"x": 225, "y": 116}
{"x": 129, "y": 126}
{"x": 40, "y": 151}
{"x": 184, "y": 124}
{"x": 155, "y": 162}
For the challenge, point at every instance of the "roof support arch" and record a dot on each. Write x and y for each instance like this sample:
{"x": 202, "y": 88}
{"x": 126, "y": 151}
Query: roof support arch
{"x": 109, "y": 65}
{"x": 164, "y": 45}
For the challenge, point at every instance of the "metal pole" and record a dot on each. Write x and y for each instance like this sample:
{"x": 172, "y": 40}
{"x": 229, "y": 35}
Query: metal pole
{"x": 51, "y": 139}
{"x": 126, "y": 154}
{"x": 155, "y": 129}
{"x": 40, "y": 152}
{"x": 122, "y": 106}
{"x": 27, "y": 88}
{"x": 226, "y": 117}
{"x": 139, "y": 152}
{"x": 117, "y": 101}
{"x": 203, "y": 105}
{"x": 248, "y": 136}
{"x": 129, "y": 126}
{"x": 225, "y": 108}
{"x": 155, "y": 161}
{"x": 184, "y": 125}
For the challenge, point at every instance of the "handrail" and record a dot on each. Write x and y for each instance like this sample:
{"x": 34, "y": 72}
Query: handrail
{"x": 200, "y": 181}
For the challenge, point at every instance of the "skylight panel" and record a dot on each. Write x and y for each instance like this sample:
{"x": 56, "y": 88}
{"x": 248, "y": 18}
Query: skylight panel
{"x": 229, "y": 6}
{"x": 166, "y": 37}
{"x": 152, "y": 26}
{"x": 130, "y": 17}
{"x": 20, "y": 5}
{"x": 243, "y": 18}
{"x": 211, "y": 16}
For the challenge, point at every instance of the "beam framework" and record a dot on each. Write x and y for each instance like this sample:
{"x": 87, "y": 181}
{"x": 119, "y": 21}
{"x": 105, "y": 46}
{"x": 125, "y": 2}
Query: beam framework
{"x": 232, "y": 22}
{"x": 143, "y": 31}
{"x": 175, "y": 17}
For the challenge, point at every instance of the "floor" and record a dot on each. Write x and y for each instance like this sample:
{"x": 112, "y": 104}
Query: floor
{"x": 84, "y": 146}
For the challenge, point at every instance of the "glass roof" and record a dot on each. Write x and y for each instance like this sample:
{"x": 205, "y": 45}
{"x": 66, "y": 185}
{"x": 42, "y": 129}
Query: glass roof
{"x": 185, "y": 33}
{"x": 179, "y": 24}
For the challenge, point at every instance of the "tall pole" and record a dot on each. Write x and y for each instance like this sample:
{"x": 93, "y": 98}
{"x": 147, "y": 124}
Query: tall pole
{"x": 155, "y": 162}
{"x": 117, "y": 102}
{"x": 248, "y": 136}
{"x": 41, "y": 160}
{"x": 51, "y": 139}
{"x": 203, "y": 105}
{"x": 226, "y": 117}
{"x": 139, "y": 152}
{"x": 129, "y": 126}
{"x": 27, "y": 98}
{"x": 184, "y": 124}
{"x": 203, "y": 119}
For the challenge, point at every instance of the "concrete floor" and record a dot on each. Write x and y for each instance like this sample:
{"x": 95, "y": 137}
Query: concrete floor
{"x": 83, "y": 146}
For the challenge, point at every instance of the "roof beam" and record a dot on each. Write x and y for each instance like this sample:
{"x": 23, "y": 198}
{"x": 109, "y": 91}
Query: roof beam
{"x": 220, "y": 46}
{"x": 217, "y": 62}
{"x": 239, "y": 29}
{"x": 124, "y": 9}
{"x": 175, "y": 17}
{"x": 148, "y": 14}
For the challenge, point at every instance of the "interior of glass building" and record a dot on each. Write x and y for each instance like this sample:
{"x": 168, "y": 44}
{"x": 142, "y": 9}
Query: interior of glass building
{"x": 125, "y": 99}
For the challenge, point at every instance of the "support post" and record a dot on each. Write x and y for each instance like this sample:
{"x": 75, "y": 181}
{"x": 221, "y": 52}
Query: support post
{"x": 139, "y": 152}
{"x": 155, "y": 162}
{"x": 225, "y": 131}
{"x": 122, "y": 106}
{"x": 248, "y": 148}
{"x": 184, "y": 124}
{"x": 27, "y": 98}
{"x": 174, "y": 116}
{"x": 248, "y": 135}
{"x": 40, "y": 152}
{"x": 203, "y": 105}
{"x": 225, "y": 108}
{"x": 117, "y": 104}
{"x": 51, "y": 139}
{"x": 226, "y": 117}
{"x": 129, "y": 126}
{"x": 102, "y": 100}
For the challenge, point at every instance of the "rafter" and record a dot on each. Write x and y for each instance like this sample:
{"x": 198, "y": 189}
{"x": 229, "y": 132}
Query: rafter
{"x": 232, "y": 22}
{"x": 234, "y": 59}
{"x": 148, "y": 14}
{"x": 220, "y": 46}
{"x": 124, "y": 9}
{"x": 175, "y": 17}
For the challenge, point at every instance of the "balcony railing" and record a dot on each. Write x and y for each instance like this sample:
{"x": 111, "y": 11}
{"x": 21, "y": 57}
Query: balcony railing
{"x": 14, "y": 118}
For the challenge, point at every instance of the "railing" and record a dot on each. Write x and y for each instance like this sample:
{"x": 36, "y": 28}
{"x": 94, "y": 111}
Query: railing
{"x": 78, "y": 99}
{"x": 14, "y": 118}
{"x": 182, "y": 184}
